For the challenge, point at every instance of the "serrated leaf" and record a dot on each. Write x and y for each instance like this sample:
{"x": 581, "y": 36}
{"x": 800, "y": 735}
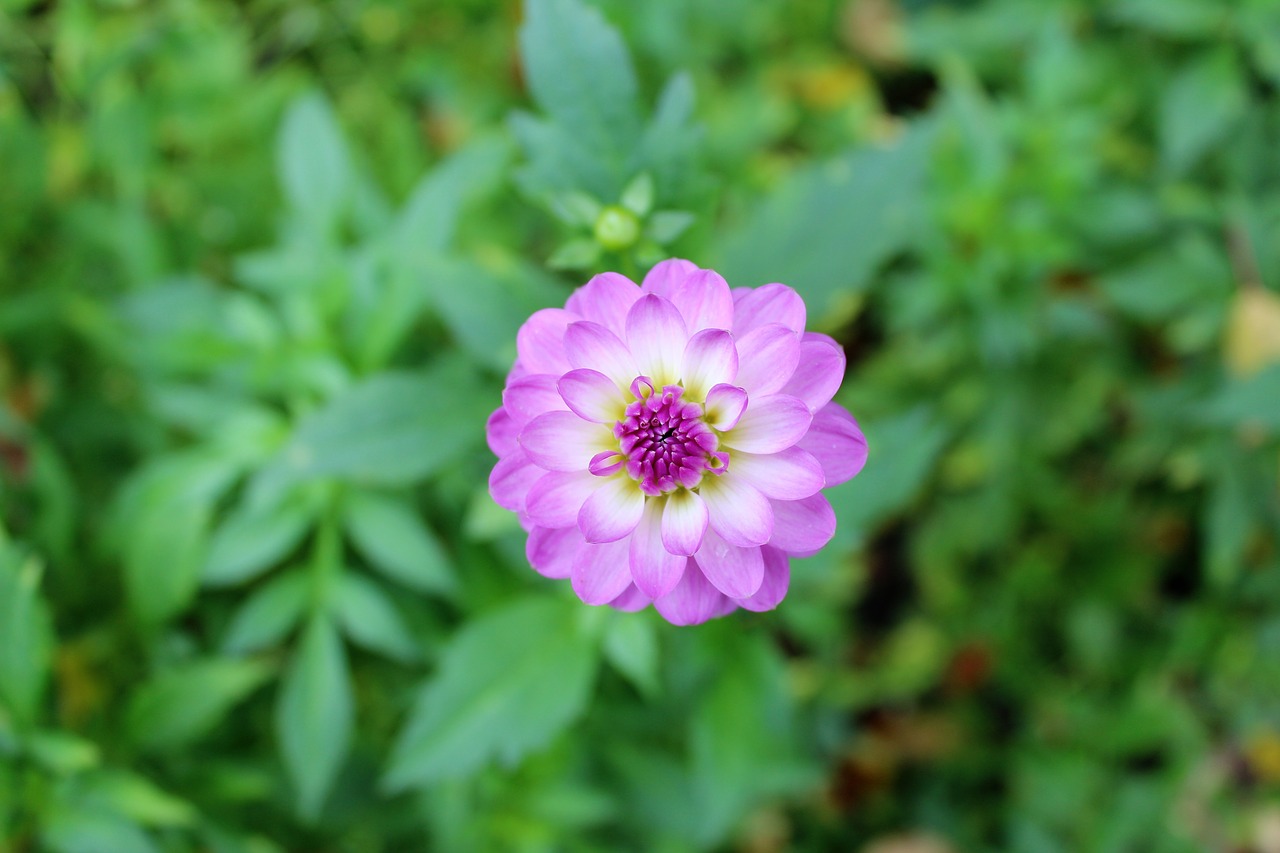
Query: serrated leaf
{"x": 252, "y": 540}
{"x": 26, "y": 636}
{"x": 826, "y": 230}
{"x": 395, "y": 540}
{"x": 315, "y": 168}
{"x": 184, "y": 704}
{"x": 314, "y": 715}
{"x": 268, "y": 615}
{"x": 508, "y": 683}
{"x": 367, "y": 616}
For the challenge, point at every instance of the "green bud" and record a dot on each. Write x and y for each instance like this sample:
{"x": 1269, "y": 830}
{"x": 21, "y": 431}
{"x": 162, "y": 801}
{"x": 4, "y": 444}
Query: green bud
{"x": 616, "y": 228}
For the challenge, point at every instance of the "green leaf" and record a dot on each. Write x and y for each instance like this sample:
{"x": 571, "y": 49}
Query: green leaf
{"x": 637, "y": 197}
{"x": 577, "y": 254}
{"x": 1249, "y": 402}
{"x": 366, "y": 615}
{"x": 63, "y": 753}
{"x": 138, "y": 799}
{"x": 631, "y": 647}
{"x": 392, "y": 429}
{"x": 1200, "y": 107}
{"x": 508, "y": 683}
{"x": 579, "y": 73}
{"x": 394, "y": 539}
{"x": 268, "y": 615}
{"x": 828, "y": 228}
{"x": 26, "y": 636}
{"x": 667, "y": 225}
{"x": 182, "y": 705}
{"x": 253, "y": 539}
{"x": 315, "y": 168}
{"x": 430, "y": 216}
{"x": 314, "y": 715}
{"x": 79, "y": 829}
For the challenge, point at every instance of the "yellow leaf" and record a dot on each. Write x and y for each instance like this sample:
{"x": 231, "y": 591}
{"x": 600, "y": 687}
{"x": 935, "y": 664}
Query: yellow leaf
{"x": 1253, "y": 331}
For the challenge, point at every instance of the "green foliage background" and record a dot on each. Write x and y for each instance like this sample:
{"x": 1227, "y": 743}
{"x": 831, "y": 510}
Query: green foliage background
{"x": 262, "y": 267}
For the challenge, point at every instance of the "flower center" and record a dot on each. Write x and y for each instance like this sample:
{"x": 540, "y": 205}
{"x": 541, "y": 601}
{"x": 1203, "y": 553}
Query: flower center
{"x": 663, "y": 441}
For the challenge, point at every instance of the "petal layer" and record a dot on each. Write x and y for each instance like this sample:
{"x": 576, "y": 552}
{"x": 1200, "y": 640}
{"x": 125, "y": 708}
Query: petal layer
{"x": 777, "y": 577}
{"x": 600, "y": 572}
{"x": 657, "y": 337}
{"x": 593, "y": 346}
{"x": 654, "y": 569}
{"x": 605, "y": 299}
{"x": 770, "y": 424}
{"x": 787, "y": 475}
{"x": 804, "y": 527}
{"x": 562, "y": 441}
{"x": 767, "y": 358}
{"x": 772, "y": 303}
{"x": 736, "y": 510}
{"x": 709, "y": 359}
{"x": 737, "y": 572}
{"x": 612, "y": 511}
{"x": 693, "y": 601}
{"x": 591, "y": 395}
{"x": 837, "y": 442}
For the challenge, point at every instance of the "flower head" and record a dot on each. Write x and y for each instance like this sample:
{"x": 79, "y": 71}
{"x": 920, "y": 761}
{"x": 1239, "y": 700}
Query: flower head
{"x": 667, "y": 444}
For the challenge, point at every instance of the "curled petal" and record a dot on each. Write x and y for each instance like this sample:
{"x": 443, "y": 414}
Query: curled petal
{"x": 556, "y": 498}
{"x": 804, "y": 527}
{"x": 772, "y": 303}
{"x": 600, "y": 572}
{"x": 606, "y": 462}
{"x": 540, "y": 341}
{"x": 511, "y": 480}
{"x": 769, "y": 424}
{"x": 818, "y": 375}
{"x": 605, "y": 299}
{"x": 725, "y": 405}
{"x": 591, "y": 395}
{"x": 654, "y": 569}
{"x": 657, "y": 337}
{"x": 684, "y": 521}
{"x": 593, "y": 346}
{"x": 552, "y": 552}
{"x": 787, "y": 475}
{"x": 837, "y": 442}
{"x": 612, "y": 511}
{"x": 737, "y": 572}
{"x": 693, "y": 601}
{"x": 562, "y": 441}
{"x": 777, "y": 577}
{"x": 737, "y": 510}
{"x": 710, "y": 358}
{"x": 767, "y": 357}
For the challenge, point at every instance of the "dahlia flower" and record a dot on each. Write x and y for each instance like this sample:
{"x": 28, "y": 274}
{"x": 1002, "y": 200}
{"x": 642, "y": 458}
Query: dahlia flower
{"x": 668, "y": 444}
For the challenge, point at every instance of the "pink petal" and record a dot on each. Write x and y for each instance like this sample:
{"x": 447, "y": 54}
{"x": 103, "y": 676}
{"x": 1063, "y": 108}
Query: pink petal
{"x": 540, "y": 341}
{"x": 612, "y": 511}
{"x": 773, "y": 303}
{"x": 657, "y": 337}
{"x": 777, "y": 577}
{"x": 511, "y": 479}
{"x": 605, "y": 299}
{"x": 654, "y": 569}
{"x": 593, "y": 346}
{"x": 693, "y": 601}
{"x": 818, "y": 375}
{"x": 532, "y": 395}
{"x": 787, "y": 475}
{"x": 631, "y": 600}
{"x": 702, "y": 296}
{"x": 737, "y": 572}
{"x": 562, "y": 441}
{"x": 767, "y": 357}
{"x": 600, "y": 572}
{"x": 500, "y": 432}
{"x": 556, "y": 498}
{"x": 592, "y": 395}
{"x": 736, "y": 509}
{"x": 725, "y": 405}
{"x": 710, "y": 358}
{"x": 837, "y": 442}
{"x": 552, "y": 552}
{"x": 770, "y": 424}
{"x": 684, "y": 521}
{"x": 802, "y": 528}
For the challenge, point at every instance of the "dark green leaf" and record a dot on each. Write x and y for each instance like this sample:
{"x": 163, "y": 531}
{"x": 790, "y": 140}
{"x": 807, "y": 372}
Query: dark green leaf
{"x": 26, "y": 635}
{"x": 268, "y": 615}
{"x": 184, "y": 704}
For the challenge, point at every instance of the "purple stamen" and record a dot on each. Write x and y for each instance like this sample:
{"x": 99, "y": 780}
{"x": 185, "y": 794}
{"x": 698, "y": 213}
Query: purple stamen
{"x": 664, "y": 441}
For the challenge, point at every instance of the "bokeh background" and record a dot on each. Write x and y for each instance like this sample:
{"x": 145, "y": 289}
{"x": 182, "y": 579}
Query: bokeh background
{"x": 262, "y": 266}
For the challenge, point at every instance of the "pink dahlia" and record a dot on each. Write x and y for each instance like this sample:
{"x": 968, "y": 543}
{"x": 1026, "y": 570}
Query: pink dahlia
{"x": 668, "y": 444}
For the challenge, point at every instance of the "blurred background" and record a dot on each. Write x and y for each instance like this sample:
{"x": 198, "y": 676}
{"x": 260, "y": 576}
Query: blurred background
{"x": 262, "y": 267}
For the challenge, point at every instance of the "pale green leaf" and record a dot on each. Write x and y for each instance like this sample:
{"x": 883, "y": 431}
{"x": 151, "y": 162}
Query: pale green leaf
{"x": 397, "y": 542}
{"x": 26, "y": 636}
{"x": 183, "y": 704}
{"x": 268, "y": 615}
{"x": 631, "y": 647}
{"x": 252, "y": 540}
{"x": 368, "y": 617}
{"x": 314, "y": 165}
{"x": 508, "y": 683}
